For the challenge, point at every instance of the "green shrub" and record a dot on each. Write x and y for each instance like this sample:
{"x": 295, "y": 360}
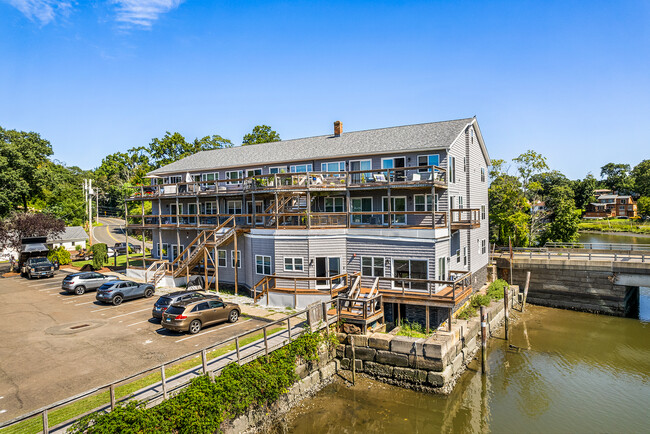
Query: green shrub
{"x": 479, "y": 300}
{"x": 100, "y": 255}
{"x": 495, "y": 290}
{"x": 77, "y": 247}
{"x": 411, "y": 329}
{"x": 205, "y": 404}
{"x": 59, "y": 254}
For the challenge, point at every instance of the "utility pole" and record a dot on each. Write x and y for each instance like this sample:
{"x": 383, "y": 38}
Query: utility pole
{"x": 88, "y": 191}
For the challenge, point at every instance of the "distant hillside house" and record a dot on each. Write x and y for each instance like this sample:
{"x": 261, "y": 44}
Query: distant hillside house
{"x": 611, "y": 206}
{"x": 70, "y": 238}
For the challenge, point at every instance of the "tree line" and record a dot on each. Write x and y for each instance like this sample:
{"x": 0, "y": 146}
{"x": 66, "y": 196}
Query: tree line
{"x": 35, "y": 186}
{"x": 516, "y": 213}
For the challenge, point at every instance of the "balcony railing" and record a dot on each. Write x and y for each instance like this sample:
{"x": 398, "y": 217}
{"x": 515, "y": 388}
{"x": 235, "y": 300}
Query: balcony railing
{"x": 303, "y": 219}
{"x": 465, "y": 218}
{"x": 403, "y": 177}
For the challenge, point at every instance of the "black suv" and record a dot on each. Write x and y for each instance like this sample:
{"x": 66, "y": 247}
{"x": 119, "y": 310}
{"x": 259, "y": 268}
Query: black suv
{"x": 167, "y": 300}
{"x": 120, "y": 248}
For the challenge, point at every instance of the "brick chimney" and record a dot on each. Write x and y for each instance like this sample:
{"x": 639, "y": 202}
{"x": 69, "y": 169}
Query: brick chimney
{"x": 338, "y": 128}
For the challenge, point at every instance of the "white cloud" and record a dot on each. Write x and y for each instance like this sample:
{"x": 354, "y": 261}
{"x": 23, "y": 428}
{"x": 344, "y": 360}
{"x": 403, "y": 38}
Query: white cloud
{"x": 42, "y": 10}
{"x": 143, "y": 13}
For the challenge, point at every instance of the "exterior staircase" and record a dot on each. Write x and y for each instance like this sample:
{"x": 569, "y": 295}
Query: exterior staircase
{"x": 288, "y": 203}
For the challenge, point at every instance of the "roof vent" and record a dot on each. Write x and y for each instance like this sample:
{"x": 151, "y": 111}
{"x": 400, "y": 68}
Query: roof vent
{"x": 338, "y": 128}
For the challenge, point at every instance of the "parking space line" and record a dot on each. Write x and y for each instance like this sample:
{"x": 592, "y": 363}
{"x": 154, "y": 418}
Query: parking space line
{"x": 140, "y": 322}
{"x": 129, "y": 313}
{"x": 88, "y": 302}
{"x": 32, "y": 285}
{"x": 49, "y": 289}
{"x": 210, "y": 331}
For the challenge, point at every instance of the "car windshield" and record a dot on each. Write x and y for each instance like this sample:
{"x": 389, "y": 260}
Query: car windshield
{"x": 39, "y": 260}
{"x": 175, "y": 310}
{"x": 164, "y": 301}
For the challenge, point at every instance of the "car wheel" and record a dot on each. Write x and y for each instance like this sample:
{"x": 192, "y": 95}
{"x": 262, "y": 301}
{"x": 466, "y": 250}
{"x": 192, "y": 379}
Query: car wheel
{"x": 233, "y": 316}
{"x": 195, "y": 327}
{"x": 117, "y": 300}
{"x": 79, "y": 290}
{"x": 148, "y": 293}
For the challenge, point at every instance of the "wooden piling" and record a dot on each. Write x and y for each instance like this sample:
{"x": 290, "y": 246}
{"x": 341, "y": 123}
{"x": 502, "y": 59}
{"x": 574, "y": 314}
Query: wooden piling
{"x": 505, "y": 308}
{"x": 483, "y": 338}
{"x": 523, "y": 302}
{"x": 354, "y": 357}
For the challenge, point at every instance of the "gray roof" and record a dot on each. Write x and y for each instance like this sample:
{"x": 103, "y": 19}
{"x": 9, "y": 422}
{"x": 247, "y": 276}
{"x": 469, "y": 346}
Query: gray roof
{"x": 608, "y": 196}
{"x": 71, "y": 233}
{"x": 435, "y": 135}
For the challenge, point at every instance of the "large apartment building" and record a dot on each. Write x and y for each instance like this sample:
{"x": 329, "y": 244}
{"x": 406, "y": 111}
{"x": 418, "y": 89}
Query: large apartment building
{"x": 395, "y": 214}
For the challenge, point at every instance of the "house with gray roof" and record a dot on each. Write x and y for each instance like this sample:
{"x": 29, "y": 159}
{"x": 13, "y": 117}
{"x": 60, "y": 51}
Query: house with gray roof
{"x": 394, "y": 218}
{"x": 70, "y": 238}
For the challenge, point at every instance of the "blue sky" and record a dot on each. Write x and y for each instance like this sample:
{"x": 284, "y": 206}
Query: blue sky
{"x": 570, "y": 79}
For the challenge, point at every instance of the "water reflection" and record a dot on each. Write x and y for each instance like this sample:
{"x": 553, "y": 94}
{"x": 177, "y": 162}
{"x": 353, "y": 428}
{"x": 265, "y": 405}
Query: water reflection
{"x": 562, "y": 371}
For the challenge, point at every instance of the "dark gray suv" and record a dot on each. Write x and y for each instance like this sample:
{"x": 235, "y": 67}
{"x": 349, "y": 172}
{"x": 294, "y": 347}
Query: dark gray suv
{"x": 119, "y": 290}
{"x": 79, "y": 283}
{"x": 167, "y": 300}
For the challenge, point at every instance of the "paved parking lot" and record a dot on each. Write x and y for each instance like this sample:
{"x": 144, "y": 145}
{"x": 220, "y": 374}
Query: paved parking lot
{"x": 55, "y": 345}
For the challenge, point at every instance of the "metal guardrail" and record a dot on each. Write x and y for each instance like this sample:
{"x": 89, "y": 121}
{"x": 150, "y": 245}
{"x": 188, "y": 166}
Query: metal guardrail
{"x": 588, "y": 254}
{"x": 44, "y": 411}
{"x": 599, "y": 246}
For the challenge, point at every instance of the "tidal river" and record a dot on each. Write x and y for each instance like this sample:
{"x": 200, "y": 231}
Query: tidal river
{"x": 562, "y": 371}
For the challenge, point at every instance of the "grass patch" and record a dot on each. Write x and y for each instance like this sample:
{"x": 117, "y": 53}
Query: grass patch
{"x": 616, "y": 225}
{"x": 412, "y": 330}
{"x": 134, "y": 261}
{"x": 35, "y": 424}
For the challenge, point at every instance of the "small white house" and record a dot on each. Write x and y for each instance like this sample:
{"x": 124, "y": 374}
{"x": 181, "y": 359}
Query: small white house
{"x": 70, "y": 238}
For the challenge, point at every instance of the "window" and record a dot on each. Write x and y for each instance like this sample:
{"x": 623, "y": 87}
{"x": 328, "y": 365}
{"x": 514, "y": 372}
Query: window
{"x": 457, "y": 256}
{"x": 221, "y": 261}
{"x": 334, "y": 204}
{"x": 410, "y": 269}
{"x": 233, "y": 207}
{"x": 236, "y": 175}
{"x": 162, "y": 250}
{"x": 478, "y": 245}
{"x": 482, "y": 174}
{"x": 210, "y": 208}
{"x": 483, "y": 246}
{"x": 358, "y": 165}
{"x": 215, "y": 304}
{"x": 263, "y": 265}
{"x": 259, "y": 209}
{"x": 442, "y": 269}
{"x": 300, "y": 168}
{"x": 337, "y": 166}
{"x": 361, "y": 204}
{"x": 372, "y": 266}
{"x": 394, "y": 163}
{"x": 421, "y": 205}
{"x": 201, "y": 306}
{"x": 452, "y": 169}
{"x": 482, "y": 212}
{"x": 460, "y": 202}
{"x": 398, "y": 204}
{"x": 232, "y": 258}
{"x": 253, "y": 172}
{"x": 175, "y": 179}
{"x": 428, "y": 160}
{"x": 209, "y": 176}
{"x": 279, "y": 169}
{"x": 293, "y": 264}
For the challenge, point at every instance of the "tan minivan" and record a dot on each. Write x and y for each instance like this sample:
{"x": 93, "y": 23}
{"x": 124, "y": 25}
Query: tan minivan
{"x": 192, "y": 316}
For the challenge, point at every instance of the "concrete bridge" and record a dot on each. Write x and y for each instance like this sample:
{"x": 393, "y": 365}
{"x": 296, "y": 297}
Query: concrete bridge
{"x": 592, "y": 280}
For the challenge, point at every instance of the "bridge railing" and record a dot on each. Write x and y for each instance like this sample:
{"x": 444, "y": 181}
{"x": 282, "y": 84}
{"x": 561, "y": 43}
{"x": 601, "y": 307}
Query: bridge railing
{"x": 599, "y": 246}
{"x": 577, "y": 254}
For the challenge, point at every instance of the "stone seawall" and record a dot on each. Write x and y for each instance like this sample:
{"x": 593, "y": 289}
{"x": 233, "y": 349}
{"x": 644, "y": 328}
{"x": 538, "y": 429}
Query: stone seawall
{"x": 428, "y": 364}
{"x": 313, "y": 377}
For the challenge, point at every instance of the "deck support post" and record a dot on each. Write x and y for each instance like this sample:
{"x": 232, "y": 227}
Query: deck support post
{"x": 236, "y": 263}
{"x": 253, "y": 210}
{"x": 390, "y": 207}
{"x": 426, "y": 321}
{"x": 399, "y": 314}
{"x": 215, "y": 252}
{"x": 275, "y": 182}
{"x": 308, "y": 207}
{"x": 449, "y": 315}
{"x": 206, "y": 284}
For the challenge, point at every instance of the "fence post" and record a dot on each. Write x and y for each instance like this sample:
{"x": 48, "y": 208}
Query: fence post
{"x": 569, "y": 255}
{"x": 327, "y": 328}
{"x": 289, "y": 328}
{"x": 46, "y": 425}
{"x": 204, "y": 359}
{"x": 590, "y": 255}
{"x": 112, "y": 392}
{"x": 615, "y": 256}
{"x": 164, "y": 383}
{"x": 266, "y": 344}
{"x": 237, "y": 348}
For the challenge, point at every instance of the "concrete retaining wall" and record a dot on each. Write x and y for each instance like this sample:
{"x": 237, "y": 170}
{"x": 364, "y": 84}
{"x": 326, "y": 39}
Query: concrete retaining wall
{"x": 429, "y": 364}
{"x": 588, "y": 286}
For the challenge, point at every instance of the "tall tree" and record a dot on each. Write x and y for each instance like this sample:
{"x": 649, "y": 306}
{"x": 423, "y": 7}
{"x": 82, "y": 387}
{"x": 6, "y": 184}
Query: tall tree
{"x": 173, "y": 147}
{"x": 617, "y": 177}
{"x": 584, "y": 191}
{"x": 564, "y": 216}
{"x": 22, "y": 157}
{"x": 641, "y": 175}
{"x": 21, "y": 225}
{"x": 528, "y": 164}
{"x": 643, "y": 206}
{"x": 509, "y": 211}
{"x": 261, "y": 134}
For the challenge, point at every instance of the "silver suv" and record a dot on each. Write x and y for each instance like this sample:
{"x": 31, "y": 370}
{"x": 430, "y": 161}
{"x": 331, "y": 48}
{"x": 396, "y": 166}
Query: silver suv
{"x": 79, "y": 283}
